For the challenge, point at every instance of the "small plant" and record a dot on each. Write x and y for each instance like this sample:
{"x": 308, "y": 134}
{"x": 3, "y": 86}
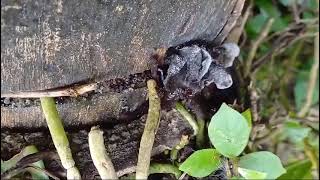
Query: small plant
{"x": 229, "y": 133}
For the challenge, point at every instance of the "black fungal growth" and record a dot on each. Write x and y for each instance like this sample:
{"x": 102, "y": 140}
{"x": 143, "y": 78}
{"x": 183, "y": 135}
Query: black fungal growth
{"x": 191, "y": 68}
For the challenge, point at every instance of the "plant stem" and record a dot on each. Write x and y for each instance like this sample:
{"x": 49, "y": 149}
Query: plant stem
{"x": 312, "y": 155}
{"x": 149, "y": 132}
{"x": 312, "y": 80}
{"x": 200, "y": 138}
{"x": 14, "y": 162}
{"x": 59, "y": 137}
{"x": 235, "y": 162}
{"x": 256, "y": 43}
{"x": 187, "y": 116}
{"x": 99, "y": 155}
{"x": 165, "y": 168}
{"x": 183, "y": 142}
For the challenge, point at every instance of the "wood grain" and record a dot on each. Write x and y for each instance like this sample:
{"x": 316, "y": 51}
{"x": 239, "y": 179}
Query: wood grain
{"x": 49, "y": 44}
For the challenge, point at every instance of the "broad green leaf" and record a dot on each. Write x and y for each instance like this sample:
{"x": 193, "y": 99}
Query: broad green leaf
{"x": 251, "y": 174}
{"x": 263, "y": 161}
{"x": 298, "y": 170}
{"x": 229, "y": 131}
{"x": 295, "y": 132}
{"x": 201, "y": 163}
{"x": 301, "y": 87}
{"x": 247, "y": 114}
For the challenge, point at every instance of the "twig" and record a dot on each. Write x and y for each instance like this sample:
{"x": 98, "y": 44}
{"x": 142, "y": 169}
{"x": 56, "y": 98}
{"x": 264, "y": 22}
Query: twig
{"x": 237, "y": 30}
{"x": 165, "y": 168}
{"x": 149, "y": 132}
{"x": 253, "y": 102}
{"x": 182, "y": 176}
{"x": 99, "y": 155}
{"x": 254, "y": 47}
{"x": 32, "y": 158}
{"x": 312, "y": 79}
{"x": 72, "y": 91}
{"x": 291, "y": 28}
{"x": 59, "y": 137}
{"x": 187, "y": 116}
{"x": 278, "y": 48}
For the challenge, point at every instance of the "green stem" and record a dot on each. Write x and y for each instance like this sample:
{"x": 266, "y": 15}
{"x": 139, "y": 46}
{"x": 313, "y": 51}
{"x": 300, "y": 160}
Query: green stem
{"x": 312, "y": 155}
{"x": 187, "y": 116}
{"x": 183, "y": 142}
{"x": 235, "y": 165}
{"x": 200, "y": 138}
{"x": 164, "y": 168}
{"x": 11, "y": 163}
{"x": 59, "y": 137}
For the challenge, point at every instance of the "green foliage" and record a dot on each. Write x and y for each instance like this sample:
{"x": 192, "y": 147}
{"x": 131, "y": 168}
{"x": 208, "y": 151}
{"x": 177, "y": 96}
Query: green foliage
{"x": 229, "y": 131}
{"x": 300, "y": 88}
{"x": 11, "y": 163}
{"x": 295, "y": 132}
{"x": 247, "y": 114}
{"x": 263, "y": 161}
{"x": 266, "y": 10}
{"x": 201, "y": 163}
{"x": 298, "y": 170}
{"x": 251, "y": 174}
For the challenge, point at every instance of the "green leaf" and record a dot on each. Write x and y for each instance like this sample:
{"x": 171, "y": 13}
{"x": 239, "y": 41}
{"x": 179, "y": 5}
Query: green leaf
{"x": 267, "y": 8}
{"x": 201, "y": 163}
{"x": 6, "y": 165}
{"x": 298, "y": 170}
{"x": 229, "y": 131}
{"x": 295, "y": 132}
{"x": 255, "y": 24}
{"x": 247, "y": 114}
{"x": 237, "y": 177}
{"x": 251, "y": 174}
{"x": 287, "y": 2}
{"x": 263, "y": 161}
{"x": 301, "y": 87}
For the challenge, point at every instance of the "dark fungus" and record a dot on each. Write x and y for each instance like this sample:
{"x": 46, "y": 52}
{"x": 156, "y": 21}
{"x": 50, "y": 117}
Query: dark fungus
{"x": 191, "y": 68}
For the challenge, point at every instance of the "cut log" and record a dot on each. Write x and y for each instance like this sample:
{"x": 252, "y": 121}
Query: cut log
{"x": 48, "y": 44}
{"x": 56, "y": 43}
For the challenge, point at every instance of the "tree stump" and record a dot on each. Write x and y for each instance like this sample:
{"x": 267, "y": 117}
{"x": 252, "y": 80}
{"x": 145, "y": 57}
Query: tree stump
{"x": 52, "y": 44}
